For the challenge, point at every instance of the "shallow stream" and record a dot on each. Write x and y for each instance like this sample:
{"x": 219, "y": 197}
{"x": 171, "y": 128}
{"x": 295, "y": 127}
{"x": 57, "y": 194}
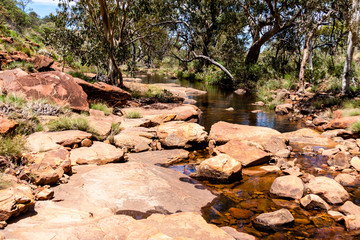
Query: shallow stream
{"x": 239, "y": 202}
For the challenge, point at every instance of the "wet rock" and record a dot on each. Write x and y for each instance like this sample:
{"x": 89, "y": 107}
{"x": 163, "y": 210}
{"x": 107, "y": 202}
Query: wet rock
{"x": 274, "y": 220}
{"x": 308, "y": 136}
{"x": 322, "y": 220}
{"x": 45, "y": 194}
{"x": 222, "y": 132}
{"x": 271, "y": 169}
{"x": 240, "y": 91}
{"x": 294, "y": 171}
{"x": 352, "y": 222}
{"x": 313, "y": 201}
{"x": 165, "y": 157}
{"x": 15, "y": 198}
{"x": 284, "y": 153}
{"x": 55, "y": 86}
{"x": 247, "y": 155}
{"x": 329, "y": 189}
{"x": 112, "y": 95}
{"x": 355, "y": 163}
{"x": 240, "y": 213}
{"x": 99, "y": 153}
{"x": 288, "y": 186}
{"x": 47, "y": 168}
{"x": 237, "y": 235}
{"x": 221, "y": 167}
{"x": 342, "y": 123}
{"x": 181, "y": 134}
{"x": 283, "y": 108}
{"x": 337, "y": 216}
{"x": 349, "y": 208}
{"x": 340, "y": 160}
{"x": 6, "y": 125}
{"x": 345, "y": 179}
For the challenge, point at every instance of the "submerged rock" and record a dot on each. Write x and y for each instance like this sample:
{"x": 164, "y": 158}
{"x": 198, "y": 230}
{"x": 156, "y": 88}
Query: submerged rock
{"x": 274, "y": 220}
{"x": 288, "y": 186}
{"x": 221, "y": 167}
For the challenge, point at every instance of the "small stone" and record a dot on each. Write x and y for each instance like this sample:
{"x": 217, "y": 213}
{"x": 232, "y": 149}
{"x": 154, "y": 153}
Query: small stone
{"x": 284, "y": 153}
{"x": 3, "y": 224}
{"x": 86, "y": 142}
{"x": 345, "y": 179}
{"x": 340, "y": 160}
{"x": 337, "y": 216}
{"x": 45, "y": 194}
{"x": 274, "y": 219}
{"x": 240, "y": 213}
{"x": 230, "y": 109}
{"x": 330, "y": 152}
{"x": 240, "y": 91}
{"x": 63, "y": 180}
{"x": 349, "y": 208}
{"x": 288, "y": 186}
{"x": 352, "y": 222}
{"x": 312, "y": 201}
{"x": 355, "y": 163}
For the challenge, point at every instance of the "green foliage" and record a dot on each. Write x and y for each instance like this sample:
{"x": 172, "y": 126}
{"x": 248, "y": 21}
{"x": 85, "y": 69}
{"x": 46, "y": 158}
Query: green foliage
{"x": 102, "y": 107}
{"x": 326, "y": 102}
{"x": 355, "y": 128}
{"x": 115, "y": 129}
{"x": 28, "y": 126}
{"x": 13, "y": 99}
{"x": 25, "y": 66}
{"x": 70, "y": 123}
{"x": 12, "y": 146}
{"x": 350, "y": 112}
{"x": 133, "y": 114}
{"x": 81, "y": 76}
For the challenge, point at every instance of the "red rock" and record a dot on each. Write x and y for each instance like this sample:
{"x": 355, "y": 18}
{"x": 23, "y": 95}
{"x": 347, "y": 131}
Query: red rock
{"x": 112, "y": 95}
{"x": 7, "y": 76}
{"x": 247, "y": 155}
{"x": 343, "y": 123}
{"x": 19, "y": 56}
{"x": 55, "y": 86}
{"x": 6, "y": 124}
{"x": 43, "y": 62}
{"x": 7, "y": 39}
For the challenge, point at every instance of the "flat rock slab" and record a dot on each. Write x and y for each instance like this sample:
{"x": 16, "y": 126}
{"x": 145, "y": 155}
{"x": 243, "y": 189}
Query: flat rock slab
{"x": 165, "y": 157}
{"x": 308, "y": 136}
{"x": 131, "y": 186}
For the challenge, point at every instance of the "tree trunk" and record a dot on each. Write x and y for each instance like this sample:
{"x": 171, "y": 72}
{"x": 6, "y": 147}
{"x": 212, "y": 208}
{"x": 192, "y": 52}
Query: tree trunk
{"x": 253, "y": 54}
{"x": 114, "y": 73}
{"x": 306, "y": 53}
{"x": 212, "y": 61}
{"x": 310, "y": 62}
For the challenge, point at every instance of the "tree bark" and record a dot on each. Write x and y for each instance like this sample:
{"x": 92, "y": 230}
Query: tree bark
{"x": 115, "y": 73}
{"x": 306, "y": 53}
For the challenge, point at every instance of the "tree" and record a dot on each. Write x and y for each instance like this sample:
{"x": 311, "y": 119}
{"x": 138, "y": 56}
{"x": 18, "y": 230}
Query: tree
{"x": 23, "y": 4}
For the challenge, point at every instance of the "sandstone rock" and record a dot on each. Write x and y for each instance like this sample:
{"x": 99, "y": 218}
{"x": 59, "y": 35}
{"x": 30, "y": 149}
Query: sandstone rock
{"x": 309, "y": 137}
{"x": 337, "y": 133}
{"x": 355, "y": 163}
{"x": 240, "y": 91}
{"x": 132, "y": 141}
{"x": 19, "y": 56}
{"x": 342, "y": 123}
{"x": 240, "y": 213}
{"x": 112, "y": 95}
{"x": 329, "y": 189}
{"x": 222, "y": 132}
{"x": 165, "y": 157}
{"x": 221, "y": 167}
{"x": 284, "y": 153}
{"x": 313, "y": 201}
{"x": 330, "y": 152}
{"x": 102, "y": 124}
{"x": 181, "y": 134}
{"x": 237, "y": 235}
{"x": 86, "y": 142}
{"x": 43, "y": 63}
{"x": 288, "y": 186}
{"x": 8, "y": 76}
{"x": 283, "y": 108}
{"x": 345, "y": 179}
{"x": 340, "y": 160}
{"x": 337, "y": 216}
{"x": 319, "y": 121}
{"x": 273, "y": 144}
{"x": 47, "y": 168}
{"x": 349, "y": 208}
{"x": 45, "y": 194}
{"x": 15, "y": 198}
{"x": 274, "y": 220}
{"x": 245, "y": 154}
{"x": 99, "y": 153}
{"x": 259, "y": 103}
{"x": 6, "y": 125}
{"x": 352, "y": 222}
{"x": 55, "y": 86}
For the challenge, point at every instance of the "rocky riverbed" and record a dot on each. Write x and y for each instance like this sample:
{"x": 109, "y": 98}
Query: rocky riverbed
{"x": 162, "y": 176}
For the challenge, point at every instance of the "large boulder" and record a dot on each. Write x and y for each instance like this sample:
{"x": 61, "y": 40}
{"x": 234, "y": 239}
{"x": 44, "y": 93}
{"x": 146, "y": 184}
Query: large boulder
{"x": 308, "y": 136}
{"x": 47, "y": 168}
{"x": 110, "y": 94}
{"x": 221, "y": 167}
{"x": 181, "y": 134}
{"x": 288, "y": 186}
{"x": 6, "y": 124}
{"x": 7, "y": 76}
{"x": 274, "y": 220}
{"x": 55, "y": 86}
{"x": 99, "y": 153}
{"x": 342, "y": 123}
{"x": 247, "y": 155}
{"x": 329, "y": 189}
{"x": 222, "y": 132}
{"x": 352, "y": 222}
{"x": 15, "y": 197}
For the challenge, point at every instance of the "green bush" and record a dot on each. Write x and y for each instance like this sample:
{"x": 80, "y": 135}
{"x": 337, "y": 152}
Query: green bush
{"x": 133, "y": 114}
{"x": 12, "y": 146}
{"x": 115, "y": 129}
{"x": 355, "y": 127}
{"x": 81, "y": 76}
{"x": 102, "y": 107}
{"x": 71, "y": 123}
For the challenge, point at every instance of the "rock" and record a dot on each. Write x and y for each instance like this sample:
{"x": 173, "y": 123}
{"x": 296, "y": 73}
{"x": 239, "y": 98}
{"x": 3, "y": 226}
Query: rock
{"x": 259, "y": 103}
{"x": 247, "y": 155}
{"x": 43, "y": 63}
{"x": 337, "y": 216}
{"x": 112, "y": 95}
{"x": 86, "y": 142}
{"x": 8, "y": 76}
{"x": 294, "y": 171}
{"x": 6, "y": 125}
{"x": 309, "y": 137}
{"x": 222, "y": 132}
{"x": 47, "y": 168}
{"x": 284, "y": 153}
{"x": 330, "y": 152}
{"x": 99, "y": 153}
{"x": 230, "y": 109}
{"x": 46, "y": 141}
{"x": 274, "y": 144}
{"x": 352, "y": 222}
{"x": 15, "y": 198}
{"x": 165, "y": 157}
{"x": 319, "y": 121}
{"x": 274, "y": 220}
{"x": 240, "y": 213}
{"x": 221, "y": 167}
{"x": 55, "y": 86}
{"x": 19, "y": 56}
{"x": 355, "y": 163}
{"x": 340, "y": 160}
{"x": 329, "y": 189}
{"x": 181, "y": 134}
{"x": 238, "y": 235}
{"x": 345, "y": 179}
{"x": 240, "y": 91}
{"x": 283, "y": 108}
{"x": 45, "y": 194}
{"x": 102, "y": 124}
{"x": 271, "y": 169}
{"x": 134, "y": 140}
{"x": 337, "y": 133}
{"x": 313, "y": 201}
{"x": 349, "y": 208}
{"x": 342, "y": 123}
{"x": 288, "y": 186}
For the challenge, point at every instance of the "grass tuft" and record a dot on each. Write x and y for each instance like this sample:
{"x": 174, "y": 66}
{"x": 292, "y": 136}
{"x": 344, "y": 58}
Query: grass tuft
{"x": 102, "y": 107}
{"x": 355, "y": 128}
{"x": 12, "y": 146}
{"x": 70, "y": 123}
{"x": 133, "y": 114}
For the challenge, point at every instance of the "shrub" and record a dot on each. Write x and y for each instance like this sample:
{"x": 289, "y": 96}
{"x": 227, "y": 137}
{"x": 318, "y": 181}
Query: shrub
{"x": 12, "y": 146}
{"x": 70, "y": 123}
{"x": 133, "y": 114}
{"x": 102, "y": 107}
{"x": 115, "y": 129}
{"x": 81, "y": 76}
{"x": 355, "y": 127}
{"x": 351, "y": 112}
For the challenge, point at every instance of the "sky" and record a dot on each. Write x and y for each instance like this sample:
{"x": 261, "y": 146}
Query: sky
{"x": 44, "y": 7}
